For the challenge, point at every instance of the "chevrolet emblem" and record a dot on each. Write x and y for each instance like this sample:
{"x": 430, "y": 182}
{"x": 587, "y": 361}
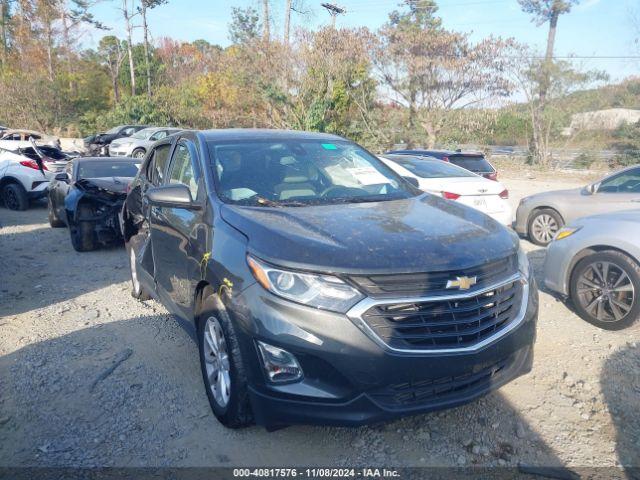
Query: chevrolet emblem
{"x": 462, "y": 283}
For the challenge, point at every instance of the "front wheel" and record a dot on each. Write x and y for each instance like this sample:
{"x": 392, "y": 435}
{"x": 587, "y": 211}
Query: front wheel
{"x": 138, "y": 153}
{"x": 83, "y": 235}
{"x": 54, "y": 220}
{"x": 222, "y": 367}
{"x": 604, "y": 288}
{"x": 137, "y": 290}
{"x": 543, "y": 226}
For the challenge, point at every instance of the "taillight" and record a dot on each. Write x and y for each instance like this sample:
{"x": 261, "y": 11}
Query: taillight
{"x": 504, "y": 194}
{"x": 450, "y": 196}
{"x": 32, "y": 164}
{"x": 493, "y": 176}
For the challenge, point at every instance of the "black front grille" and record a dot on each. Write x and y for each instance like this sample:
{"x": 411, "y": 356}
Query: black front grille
{"x": 450, "y": 323}
{"x": 431, "y": 391}
{"x": 417, "y": 284}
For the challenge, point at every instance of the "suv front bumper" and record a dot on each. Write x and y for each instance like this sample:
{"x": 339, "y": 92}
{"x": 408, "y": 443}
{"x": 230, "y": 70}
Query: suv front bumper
{"x": 349, "y": 379}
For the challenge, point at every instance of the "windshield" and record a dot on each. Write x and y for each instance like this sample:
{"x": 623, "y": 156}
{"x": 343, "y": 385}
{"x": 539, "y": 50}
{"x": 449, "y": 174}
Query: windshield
{"x": 100, "y": 169}
{"x": 142, "y": 134}
{"x": 429, "y": 168}
{"x": 473, "y": 163}
{"x": 113, "y": 130}
{"x": 298, "y": 173}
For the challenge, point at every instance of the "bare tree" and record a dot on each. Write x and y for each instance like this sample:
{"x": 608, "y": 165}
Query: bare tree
{"x": 432, "y": 71}
{"x": 144, "y": 6}
{"x": 4, "y": 16}
{"x": 74, "y": 13}
{"x": 112, "y": 53}
{"x": 563, "y": 79}
{"x": 128, "y": 14}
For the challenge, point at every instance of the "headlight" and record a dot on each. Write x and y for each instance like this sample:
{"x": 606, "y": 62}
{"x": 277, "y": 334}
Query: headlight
{"x": 319, "y": 291}
{"x": 523, "y": 263}
{"x": 566, "y": 232}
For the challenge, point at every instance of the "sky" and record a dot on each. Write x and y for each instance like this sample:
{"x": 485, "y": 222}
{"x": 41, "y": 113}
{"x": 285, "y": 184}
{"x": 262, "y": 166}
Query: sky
{"x": 593, "y": 28}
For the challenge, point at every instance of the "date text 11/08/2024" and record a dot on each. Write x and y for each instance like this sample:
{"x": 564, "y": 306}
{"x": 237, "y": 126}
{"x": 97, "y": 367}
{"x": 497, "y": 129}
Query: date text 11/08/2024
{"x": 316, "y": 472}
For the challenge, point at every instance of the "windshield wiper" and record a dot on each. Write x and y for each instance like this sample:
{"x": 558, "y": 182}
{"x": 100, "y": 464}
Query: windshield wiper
{"x": 265, "y": 202}
{"x": 363, "y": 199}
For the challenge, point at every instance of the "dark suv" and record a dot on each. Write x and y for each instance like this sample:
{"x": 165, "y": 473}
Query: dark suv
{"x": 323, "y": 287}
{"x": 473, "y": 161}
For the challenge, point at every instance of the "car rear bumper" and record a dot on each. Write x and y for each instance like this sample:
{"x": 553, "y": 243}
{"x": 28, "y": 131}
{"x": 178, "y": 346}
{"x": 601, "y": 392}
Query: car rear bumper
{"x": 505, "y": 217}
{"x": 349, "y": 379}
{"x": 39, "y": 189}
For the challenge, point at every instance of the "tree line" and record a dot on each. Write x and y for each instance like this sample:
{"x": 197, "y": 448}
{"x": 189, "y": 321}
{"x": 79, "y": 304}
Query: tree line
{"x": 411, "y": 81}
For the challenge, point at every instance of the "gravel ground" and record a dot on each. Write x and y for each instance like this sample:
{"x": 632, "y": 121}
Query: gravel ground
{"x": 91, "y": 377}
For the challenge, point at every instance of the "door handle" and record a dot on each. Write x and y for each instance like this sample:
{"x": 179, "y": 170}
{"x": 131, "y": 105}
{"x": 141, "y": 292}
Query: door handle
{"x": 636, "y": 200}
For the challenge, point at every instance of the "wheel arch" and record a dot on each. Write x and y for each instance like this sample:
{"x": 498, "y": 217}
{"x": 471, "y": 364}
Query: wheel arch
{"x": 202, "y": 291}
{"x": 542, "y": 207}
{"x": 590, "y": 251}
{"x": 8, "y": 180}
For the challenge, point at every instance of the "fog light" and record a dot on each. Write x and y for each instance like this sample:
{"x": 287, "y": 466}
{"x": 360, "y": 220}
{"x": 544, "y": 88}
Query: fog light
{"x": 279, "y": 365}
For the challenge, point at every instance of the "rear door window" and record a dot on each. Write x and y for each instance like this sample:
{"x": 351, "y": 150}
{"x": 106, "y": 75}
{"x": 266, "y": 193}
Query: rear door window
{"x": 182, "y": 169}
{"x": 158, "y": 164}
{"x": 474, "y": 163}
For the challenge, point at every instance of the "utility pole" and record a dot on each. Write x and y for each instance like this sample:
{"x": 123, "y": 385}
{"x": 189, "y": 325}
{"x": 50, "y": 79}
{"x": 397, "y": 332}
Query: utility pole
{"x": 265, "y": 18}
{"x": 287, "y": 22}
{"x": 334, "y": 11}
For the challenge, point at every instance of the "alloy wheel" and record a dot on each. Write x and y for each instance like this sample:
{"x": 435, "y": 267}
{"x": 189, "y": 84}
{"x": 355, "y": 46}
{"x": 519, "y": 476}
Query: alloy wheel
{"x": 605, "y": 291}
{"x": 216, "y": 360}
{"x": 10, "y": 199}
{"x": 139, "y": 154}
{"x": 544, "y": 228}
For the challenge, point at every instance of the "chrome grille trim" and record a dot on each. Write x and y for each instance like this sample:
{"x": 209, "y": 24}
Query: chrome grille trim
{"x": 355, "y": 314}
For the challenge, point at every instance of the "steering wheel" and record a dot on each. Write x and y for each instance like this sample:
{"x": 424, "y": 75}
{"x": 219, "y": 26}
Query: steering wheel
{"x": 336, "y": 191}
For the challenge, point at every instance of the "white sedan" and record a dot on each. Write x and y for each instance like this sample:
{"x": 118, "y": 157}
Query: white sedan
{"x": 454, "y": 183}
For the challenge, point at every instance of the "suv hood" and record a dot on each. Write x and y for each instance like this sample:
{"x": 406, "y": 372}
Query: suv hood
{"x": 421, "y": 234}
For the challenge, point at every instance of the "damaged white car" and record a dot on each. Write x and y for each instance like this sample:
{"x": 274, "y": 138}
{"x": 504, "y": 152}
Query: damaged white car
{"x": 25, "y": 172}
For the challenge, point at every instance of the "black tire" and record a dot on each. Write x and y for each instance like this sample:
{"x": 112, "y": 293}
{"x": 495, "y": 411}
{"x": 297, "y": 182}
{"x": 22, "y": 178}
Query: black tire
{"x": 83, "y": 235}
{"x": 545, "y": 216}
{"x": 582, "y": 294}
{"x": 137, "y": 290}
{"x": 138, "y": 153}
{"x": 237, "y": 411}
{"x": 15, "y": 197}
{"x": 54, "y": 220}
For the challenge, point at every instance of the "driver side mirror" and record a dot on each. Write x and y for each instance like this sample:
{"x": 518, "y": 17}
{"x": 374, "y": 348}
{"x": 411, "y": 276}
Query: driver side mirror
{"x": 591, "y": 189}
{"x": 62, "y": 177}
{"x": 413, "y": 181}
{"x": 171, "y": 196}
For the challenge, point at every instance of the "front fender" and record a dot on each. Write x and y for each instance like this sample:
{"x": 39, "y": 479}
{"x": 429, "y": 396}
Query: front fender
{"x": 71, "y": 201}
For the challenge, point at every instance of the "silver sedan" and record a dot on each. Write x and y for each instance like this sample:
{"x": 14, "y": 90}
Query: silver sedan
{"x": 136, "y": 145}
{"x": 594, "y": 262}
{"x": 540, "y": 216}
